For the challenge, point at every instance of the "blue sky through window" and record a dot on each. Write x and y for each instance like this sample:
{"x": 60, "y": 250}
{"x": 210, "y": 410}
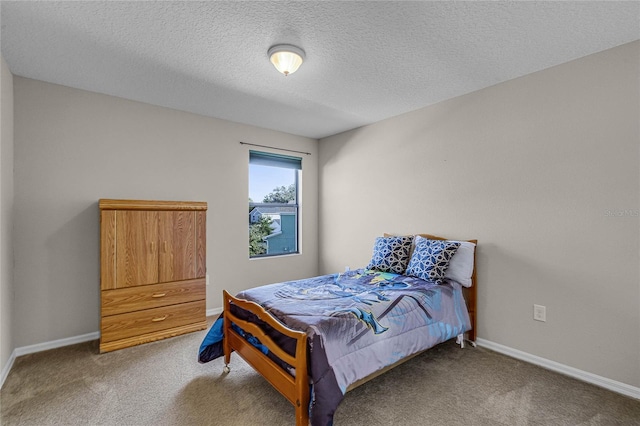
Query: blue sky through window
{"x": 263, "y": 179}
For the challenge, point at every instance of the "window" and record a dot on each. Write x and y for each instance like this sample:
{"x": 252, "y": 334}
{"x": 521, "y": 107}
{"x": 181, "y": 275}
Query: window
{"x": 273, "y": 204}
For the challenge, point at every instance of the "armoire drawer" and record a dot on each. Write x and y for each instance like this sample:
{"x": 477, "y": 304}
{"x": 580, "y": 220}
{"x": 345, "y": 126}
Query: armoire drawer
{"x": 122, "y": 326}
{"x": 132, "y": 299}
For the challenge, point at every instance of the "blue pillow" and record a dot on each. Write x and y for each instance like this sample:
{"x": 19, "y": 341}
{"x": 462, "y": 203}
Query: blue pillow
{"x": 430, "y": 259}
{"x": 391, "y": 254}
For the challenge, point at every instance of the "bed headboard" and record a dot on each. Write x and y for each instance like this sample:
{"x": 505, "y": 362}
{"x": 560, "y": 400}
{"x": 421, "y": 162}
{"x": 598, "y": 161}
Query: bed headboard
{"x": 470, "y": 293}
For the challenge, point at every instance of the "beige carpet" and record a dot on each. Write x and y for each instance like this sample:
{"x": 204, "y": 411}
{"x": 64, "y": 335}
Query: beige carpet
{"x": 162, "y": 384}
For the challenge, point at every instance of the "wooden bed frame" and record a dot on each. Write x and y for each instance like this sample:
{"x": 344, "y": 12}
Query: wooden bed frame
{"x": 296, "y": 389}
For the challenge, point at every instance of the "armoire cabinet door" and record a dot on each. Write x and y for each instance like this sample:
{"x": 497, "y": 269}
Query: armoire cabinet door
{"x": 177, "y": 231}
{"x": 136, "y": 248}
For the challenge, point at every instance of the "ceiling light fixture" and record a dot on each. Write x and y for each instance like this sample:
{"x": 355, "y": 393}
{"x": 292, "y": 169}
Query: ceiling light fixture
{"x": 286, "y": 58}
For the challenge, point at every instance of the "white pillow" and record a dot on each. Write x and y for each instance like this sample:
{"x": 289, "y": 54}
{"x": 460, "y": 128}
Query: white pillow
{"x": 461, "y": 264}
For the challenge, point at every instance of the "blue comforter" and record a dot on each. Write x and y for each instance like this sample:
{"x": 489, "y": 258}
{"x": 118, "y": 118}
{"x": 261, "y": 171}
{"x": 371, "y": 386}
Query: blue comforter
{"x": 357, "y": 323}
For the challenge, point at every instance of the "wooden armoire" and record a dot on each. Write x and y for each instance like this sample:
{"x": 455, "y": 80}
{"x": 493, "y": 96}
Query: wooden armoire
{"x": 152, "y": 270}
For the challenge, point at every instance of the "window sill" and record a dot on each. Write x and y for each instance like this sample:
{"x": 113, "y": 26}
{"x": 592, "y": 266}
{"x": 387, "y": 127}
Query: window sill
{"x": 275, "y": 256}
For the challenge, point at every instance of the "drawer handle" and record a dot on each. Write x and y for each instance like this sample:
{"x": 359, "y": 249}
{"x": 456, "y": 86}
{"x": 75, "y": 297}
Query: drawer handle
{"x": 159, "y": 295}
{"x": 159, "y": 319}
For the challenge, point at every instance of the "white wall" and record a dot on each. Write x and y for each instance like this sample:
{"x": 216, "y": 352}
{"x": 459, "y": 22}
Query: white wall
{"x": 6, "y": 214}
{"x": 530, "y": 168}
{"x": 73, "y": 147}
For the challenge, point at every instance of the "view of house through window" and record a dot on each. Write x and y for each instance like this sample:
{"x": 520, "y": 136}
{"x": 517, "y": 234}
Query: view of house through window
{"x": 273, "y": 204}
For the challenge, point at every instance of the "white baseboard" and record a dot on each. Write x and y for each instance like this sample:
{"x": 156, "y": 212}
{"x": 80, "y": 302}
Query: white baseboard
{"x": 214, "y": 311}
{"x": 39, "y": 347}
{"x": 7, "y": 368}
{"x": 584, "y": 376}
{"x": 25, "y": 350}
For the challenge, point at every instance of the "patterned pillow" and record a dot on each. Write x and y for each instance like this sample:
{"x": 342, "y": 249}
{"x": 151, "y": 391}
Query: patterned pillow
{"x": 391, "y": 254}
{"x": 430, "y": 259}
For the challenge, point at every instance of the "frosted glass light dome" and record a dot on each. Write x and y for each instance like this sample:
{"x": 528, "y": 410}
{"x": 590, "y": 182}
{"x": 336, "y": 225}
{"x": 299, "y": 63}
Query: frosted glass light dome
{"x": 286, "y": 58}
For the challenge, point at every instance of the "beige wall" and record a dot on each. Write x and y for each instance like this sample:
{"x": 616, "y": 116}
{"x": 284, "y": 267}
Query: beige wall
{"x": 6, "y": 213}
{"x": 530, "y": 168}
{"x": 73, "y": 147}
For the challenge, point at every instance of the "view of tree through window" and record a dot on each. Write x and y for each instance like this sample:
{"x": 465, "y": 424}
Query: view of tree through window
{"x": 273, "y": 204}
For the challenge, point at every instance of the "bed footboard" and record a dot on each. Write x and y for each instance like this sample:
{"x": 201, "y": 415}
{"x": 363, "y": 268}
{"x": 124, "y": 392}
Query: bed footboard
{"x": 295, "y": 389}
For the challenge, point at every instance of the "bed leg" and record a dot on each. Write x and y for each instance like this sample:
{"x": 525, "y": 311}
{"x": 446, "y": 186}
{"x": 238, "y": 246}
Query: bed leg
{"x": 226, "y": 329}
{"x": 460, "y": 340}
{"x": 302, "y": 416}
{"x": 227, "y": 355}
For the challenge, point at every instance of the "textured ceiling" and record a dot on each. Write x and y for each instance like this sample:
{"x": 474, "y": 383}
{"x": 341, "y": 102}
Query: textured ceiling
{"x": 366, "y": 61}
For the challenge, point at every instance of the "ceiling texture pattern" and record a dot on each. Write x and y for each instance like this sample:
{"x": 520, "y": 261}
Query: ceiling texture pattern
{"x": 365, "y": 61}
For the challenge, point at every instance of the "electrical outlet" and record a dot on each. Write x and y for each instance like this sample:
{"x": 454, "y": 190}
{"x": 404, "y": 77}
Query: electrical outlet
{"x": 207, "y": 279}
{"x": 540, "y": 313}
